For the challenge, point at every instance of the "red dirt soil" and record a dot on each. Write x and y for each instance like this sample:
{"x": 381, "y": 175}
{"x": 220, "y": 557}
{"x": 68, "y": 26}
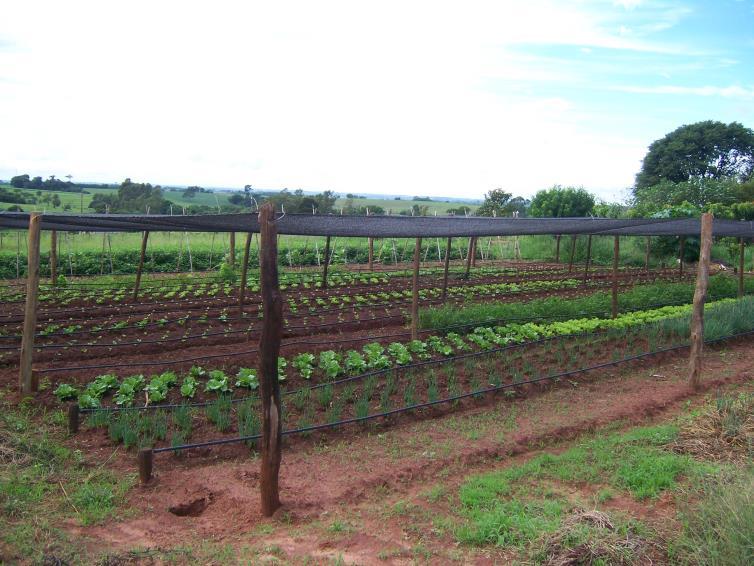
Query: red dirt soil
{"x": 357, "y": 470}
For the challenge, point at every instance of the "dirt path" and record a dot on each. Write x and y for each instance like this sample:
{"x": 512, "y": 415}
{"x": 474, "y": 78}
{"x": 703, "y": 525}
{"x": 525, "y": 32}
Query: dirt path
{"x": 358, "y": 474}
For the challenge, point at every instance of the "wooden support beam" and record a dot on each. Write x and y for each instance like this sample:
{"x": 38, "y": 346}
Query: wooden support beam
{"x": 588, "y": 258}
{"x": 473, "y": 251}
{"x": 700, "y": 295}
{"x": 616, "y": 253}
{"x": 468, "y": 257}
{"x": 269, "y": 350}
{"x": 244, "y": 274}
{"x": 681, "y": 248}
{"x": 557, "y": 248}
{"x": 232, "y": 250}
{"x": 145, "y": 460}
{"x": 646, "y": 254}
{"x": 573, "y": 253}
{"x": 327, "y": 262}
{"x": 54, "y": 257}
{"x": 445, "y": 272}
{"x": 30, "y": 311}
{"x": 140, "y": 267}
{"x": 371, "y": 254}
{"x": 741, "y": 253}
{"x": 415, "y": 292}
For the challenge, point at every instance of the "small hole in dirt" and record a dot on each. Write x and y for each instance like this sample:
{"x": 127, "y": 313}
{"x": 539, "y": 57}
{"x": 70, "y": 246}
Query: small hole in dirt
{"x": 190, "y": 509}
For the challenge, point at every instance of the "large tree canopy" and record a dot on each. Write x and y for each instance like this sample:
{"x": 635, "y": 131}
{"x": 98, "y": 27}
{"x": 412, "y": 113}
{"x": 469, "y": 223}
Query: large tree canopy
{"x": 702, "y": 150}
{"x": 562, "y": 202}
{"x": 497, "y": 202}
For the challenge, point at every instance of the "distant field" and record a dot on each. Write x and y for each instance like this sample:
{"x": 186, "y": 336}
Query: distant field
{"x": 78, "y": 200}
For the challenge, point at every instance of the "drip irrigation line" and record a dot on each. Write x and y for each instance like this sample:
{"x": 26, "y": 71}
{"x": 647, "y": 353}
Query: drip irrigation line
{"x": 416, "y": 406}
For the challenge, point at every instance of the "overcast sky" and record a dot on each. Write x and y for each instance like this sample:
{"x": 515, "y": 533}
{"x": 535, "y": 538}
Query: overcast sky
{"x": 408, "y": 97}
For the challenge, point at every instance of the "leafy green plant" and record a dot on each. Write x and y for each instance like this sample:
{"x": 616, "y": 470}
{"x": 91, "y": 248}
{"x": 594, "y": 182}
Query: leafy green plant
{"x": 304, "y": 363}
{"x": 375, "y": 356}
{"x": 355, "y": 363}
{"x": 329, "y": 363}
{"x": 217, "y": 382}
{"x": 189, "y": 386}
{"x": 64, "y": 392}
{"x": 126, "y": 393}
{"x": 247, "y": 378}
{"x": 400, "y": 353}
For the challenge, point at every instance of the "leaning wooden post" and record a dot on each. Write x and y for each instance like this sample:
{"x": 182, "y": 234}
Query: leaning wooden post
{"x": 269, "y": 349}
{"x": 445, "y": 273}
{"x": 140, "y": 268}
{"x": 30, "y": 312}
{"x": 741, "y": 267}
{"x": 616, "y": 252}
{"x": 588, "y": 257}
{"x": 232, "y": 250}
{"x": 468, "y": 257}
{"x": 244, "y": 274}
{"x": 573, "y": 253}
{"x": 415, "y": 294}
{"x": 700, "y": 295}
{"x": 681, "y": 248}
{"x": 557, "y": 248}
{"x": 53, "y": 257}
{"x": 327, "y": 262}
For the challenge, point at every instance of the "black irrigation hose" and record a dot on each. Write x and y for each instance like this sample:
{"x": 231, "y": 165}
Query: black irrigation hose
{"x": 440, "y": 401}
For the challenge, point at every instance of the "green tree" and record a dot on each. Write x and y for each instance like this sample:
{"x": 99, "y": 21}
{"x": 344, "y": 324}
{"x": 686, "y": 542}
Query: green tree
{"x": 702, "y": 150}
{"x": 497, "y": 202}
{"x": 562, "y": 202}
{"x": 55, "y": 200}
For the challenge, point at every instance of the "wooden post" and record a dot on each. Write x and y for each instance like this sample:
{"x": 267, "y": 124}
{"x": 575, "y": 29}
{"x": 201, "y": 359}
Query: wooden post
{"x": 741, "y": 267}
{"x": 468, "y": 257}
{"x": 73, "y": 418}
{"x": 616, "y": 253}
{"x": 32, "y": 298}
{"x": 371, "y": 254}
{"x": 232, "y": 251}
{"x": 573, "y": 253}
{"x": 269, "y": 349}
{"x": 54, "y": 257}
{"x": 681, "y": 248}
{"x": 557, "y": 248}
{"x": 327, "y": 262}
{"x": 244, "y": 273}
{"x": 140, "y": 268}
{"x": 415, "y": 294}
{"x": 473, "y": 251}
{"x": 700, "y": 295}
{"x": 445, "y": 274}
{"x": 145, "y": 459}
{"x": 646, "y": 255}
{"x": 588, "y": 257}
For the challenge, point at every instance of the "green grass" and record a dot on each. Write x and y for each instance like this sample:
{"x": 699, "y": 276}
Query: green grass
{"x": 43, "y": 484}
{"x": 514, "y": 506}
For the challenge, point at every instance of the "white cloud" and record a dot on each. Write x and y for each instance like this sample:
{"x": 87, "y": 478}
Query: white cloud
{"x": 384, "y": 97}
{"x": 733, "y": 91}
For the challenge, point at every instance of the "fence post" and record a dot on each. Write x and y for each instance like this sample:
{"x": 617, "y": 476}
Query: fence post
{"x": 681, "y": 248}
{"x": 54, "y": 257}
{"x": 445, "y": 273}
{"x": 232, "y": 250}
{"x": 588, "y": 257}
{"x": 646, "y": 254}
{"x": 269, "y": 349}
{"x": 573, "y": 253}
{"x": 244, "y": 274}
{"x": 30, "y": 311}
{"x": 616, "y": 252}
{"x": 468, "y": 257}
{"x": 327, "y": 262}
{"x": 700, "y": 295}
{"x": 145, "y": 459}
{"x": 139, "y": 269}
{"x": 557, "y": 248}
{"x": 73, "y": 418}
{"x": 415, "y": 293}
{"x": 741, "y": 253}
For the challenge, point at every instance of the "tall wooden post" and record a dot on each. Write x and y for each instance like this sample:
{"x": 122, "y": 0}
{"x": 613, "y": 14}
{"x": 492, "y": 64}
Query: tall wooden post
{"x": 415, "y": 294}
{"x": 616, "y": 253}
{"x": 741, "y": 251}
{"x": 244, "y": 274}
{"x": 573, "y": 253}
{"x": 327, "y": 262}
{"x": 269, "y": 349}
{"x": 681, "y": 248}
{"x": 30, "y": 312}
{"x": 557, "y": 248}
{"x": 700, "y": 295}
{"x": 140, "y": 268}
{"x": 468, "y": 257}
{"x": 473, "y": 251}
{"x": 445, "y": 272}
{"x": 646, "y": 255}
{"x": 371, "y": 254}
{"x": 232, "y": 251}
{"x": 54, "y": 257}
{"x": 588, "y": 257}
